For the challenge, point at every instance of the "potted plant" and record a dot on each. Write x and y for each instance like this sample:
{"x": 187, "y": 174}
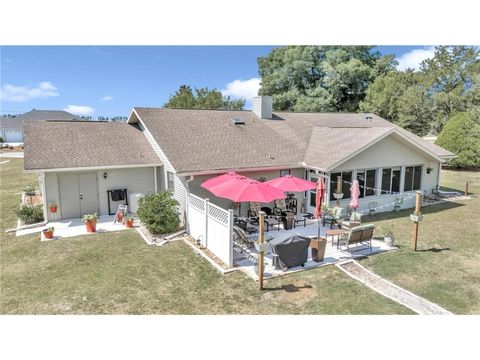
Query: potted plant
{"x": 372, "y": 208}
{"x": 53, "y": 207}
{"x": 128, "y": 220}
{"x": 388, "y": 234}
{"x": 48, "y": 233}
{"x": 397, "y": 203}
{"x": 90, "y": 221}
{"x": 338, "y": 195}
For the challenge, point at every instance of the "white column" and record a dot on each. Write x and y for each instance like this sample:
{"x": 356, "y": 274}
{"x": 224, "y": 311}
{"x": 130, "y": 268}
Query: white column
{"x": 402, "y": 179}
{"x": 230, "y": 240}
{"x": 155, "y": 178}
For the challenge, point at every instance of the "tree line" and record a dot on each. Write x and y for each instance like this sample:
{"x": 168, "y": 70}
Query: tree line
{"x": 359, "y": 79}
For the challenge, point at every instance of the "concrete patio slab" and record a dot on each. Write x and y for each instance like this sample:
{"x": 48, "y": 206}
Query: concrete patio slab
{"x": 332, "y": 254}
{"x": 76, "y": 227}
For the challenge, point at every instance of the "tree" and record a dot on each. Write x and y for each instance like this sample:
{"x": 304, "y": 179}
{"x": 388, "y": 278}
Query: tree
{"x": 414, "y": 112}
{"x": 460, "y": 135}
{"x": 159, "y": 212}
{"x": 320, "y": 78}
{"x": 452, "y": 79}
{"x": 184, "y": 98}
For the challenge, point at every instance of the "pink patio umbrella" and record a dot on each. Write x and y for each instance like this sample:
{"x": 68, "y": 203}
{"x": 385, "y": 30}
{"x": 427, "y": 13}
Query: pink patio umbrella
{"x": 292, "y": 183}
{"x": 318, "y": 201}
{"x": 218, "y": 179}
{"x": 355, "y": 192}
{"x": 245, "y": 189}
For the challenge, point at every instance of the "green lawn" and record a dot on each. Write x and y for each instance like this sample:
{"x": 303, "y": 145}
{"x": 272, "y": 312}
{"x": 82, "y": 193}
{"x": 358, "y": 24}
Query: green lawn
{"x": 117, "y": 273}
{"x": 446, "y": 269}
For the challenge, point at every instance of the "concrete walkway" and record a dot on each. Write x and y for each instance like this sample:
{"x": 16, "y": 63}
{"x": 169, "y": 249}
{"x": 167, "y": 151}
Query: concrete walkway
{"x": 13, "y": 154}
{"x": 386, "y": 288}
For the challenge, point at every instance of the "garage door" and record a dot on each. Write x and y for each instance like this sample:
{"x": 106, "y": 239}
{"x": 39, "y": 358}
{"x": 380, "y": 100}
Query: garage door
{"x": 13, "y": 136}
{"x": 78, "y": 194}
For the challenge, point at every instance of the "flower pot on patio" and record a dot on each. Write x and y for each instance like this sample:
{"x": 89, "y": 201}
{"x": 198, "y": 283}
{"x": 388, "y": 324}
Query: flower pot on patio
{"x": 318, "y": 246}
{"x": 90, "y": 221}
{"x": 53, "y": 209}
{"x": 48, "y": 233}
{"x": 396, "y": 208}
{"x": 91, "y": 226}
{"x": 128, "y": 223}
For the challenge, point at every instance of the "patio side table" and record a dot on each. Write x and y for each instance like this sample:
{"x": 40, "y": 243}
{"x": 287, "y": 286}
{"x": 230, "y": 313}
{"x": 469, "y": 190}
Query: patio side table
{"x": 334, "y": 233}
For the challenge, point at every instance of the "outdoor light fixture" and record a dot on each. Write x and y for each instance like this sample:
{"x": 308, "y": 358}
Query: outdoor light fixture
{"x": 429, "y": 170}
{"x": 104, "y": 175}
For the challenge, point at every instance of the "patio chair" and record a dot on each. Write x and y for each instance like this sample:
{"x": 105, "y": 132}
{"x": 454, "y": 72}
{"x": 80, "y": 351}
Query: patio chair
{"x": 246, "y": 241}
{"x": 354, "y": 220}
{"x": 335, "y": 216}
{"x": 254, "y": 216}
{"x": 358, "y": 235}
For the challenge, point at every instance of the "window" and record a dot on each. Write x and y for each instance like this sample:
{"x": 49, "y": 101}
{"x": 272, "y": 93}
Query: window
{"x": 285, "y": 172}
{"x": 366, "y": 181}
{"x": 391, "y": 180}
{"x": 346, "y": 180}
{"x": 413, "y": 178}
{"x": 170, "y": 181}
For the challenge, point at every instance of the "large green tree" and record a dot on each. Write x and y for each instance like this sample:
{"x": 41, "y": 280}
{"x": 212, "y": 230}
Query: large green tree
{"x": 452, "y": 78}
{"x": 203, "y": 98}
{"x": 461, "y": 136}
{"x": 320, "y": 78}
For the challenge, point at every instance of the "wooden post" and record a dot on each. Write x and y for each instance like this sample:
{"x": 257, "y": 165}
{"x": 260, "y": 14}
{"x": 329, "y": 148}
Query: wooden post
{"x": 261, "y": 255}
{"x": 415, "y": 223}
{"x": 466, "y": 188}
{"x": 339, "y": 188}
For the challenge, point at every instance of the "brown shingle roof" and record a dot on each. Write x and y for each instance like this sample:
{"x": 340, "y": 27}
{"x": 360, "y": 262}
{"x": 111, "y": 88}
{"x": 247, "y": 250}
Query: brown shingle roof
{"x": 71, "y": 144}
{"x": 33, "y": 115}
{"x": 200, "y": 140}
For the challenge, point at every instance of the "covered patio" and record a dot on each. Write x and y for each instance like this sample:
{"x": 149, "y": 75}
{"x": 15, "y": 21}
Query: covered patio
{"x": 246, "y": 260}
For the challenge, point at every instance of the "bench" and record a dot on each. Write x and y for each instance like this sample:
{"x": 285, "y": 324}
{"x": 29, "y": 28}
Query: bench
{"x": 357, "y": 235}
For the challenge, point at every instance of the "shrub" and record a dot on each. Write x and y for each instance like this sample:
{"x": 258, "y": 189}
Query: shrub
{"x": 30, "y": 214}
{"x": 159, "y": 212}
{"x": 460, "y": 135}
{"x": 30, "y": 189}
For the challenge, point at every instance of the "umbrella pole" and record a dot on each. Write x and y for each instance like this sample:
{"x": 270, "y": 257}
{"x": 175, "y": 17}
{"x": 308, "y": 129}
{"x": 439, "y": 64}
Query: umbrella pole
{"x": 261, "y": 255}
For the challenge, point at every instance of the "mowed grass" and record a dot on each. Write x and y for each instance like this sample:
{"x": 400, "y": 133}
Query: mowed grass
{"x": 446, "y": 267}
{"x": 117, "y": 273}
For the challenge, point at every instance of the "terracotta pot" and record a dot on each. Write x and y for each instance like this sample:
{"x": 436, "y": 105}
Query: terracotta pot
{"x": 53, "y": 209}
{"x": 129, "y": 223}
{"x": 91, "y": 226}
{"x": 48, "y": 234}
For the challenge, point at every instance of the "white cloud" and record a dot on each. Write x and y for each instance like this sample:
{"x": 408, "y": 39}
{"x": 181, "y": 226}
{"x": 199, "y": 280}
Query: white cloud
{"x": 242, "y": 88}
{"x": 412, "y": 59}
{"x": 14, "y": 93}
{"x": 80, "y": 109}
{"x": 107, "y": 98}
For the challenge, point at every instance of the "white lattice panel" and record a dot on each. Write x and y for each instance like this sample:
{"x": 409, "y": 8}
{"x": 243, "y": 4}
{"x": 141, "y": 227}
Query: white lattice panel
{"x": 196, "y": 202}
{"x": 218, "y": 214}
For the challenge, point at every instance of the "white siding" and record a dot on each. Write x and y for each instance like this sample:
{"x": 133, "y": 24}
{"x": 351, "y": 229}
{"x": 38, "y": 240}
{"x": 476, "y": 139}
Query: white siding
{"x": 134, "y": 180}
{"x": 393, "y": 151}
{"x": 181, "y": 186}
{"x": 52, "y": 194}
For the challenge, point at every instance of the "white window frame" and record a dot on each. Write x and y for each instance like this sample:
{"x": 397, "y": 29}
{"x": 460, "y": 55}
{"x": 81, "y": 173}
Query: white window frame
{"x": 413, "y": 176}
{"x": 172, "y": 188}
{"x": 365, "y": 181}
{"x": 392, "y": 168}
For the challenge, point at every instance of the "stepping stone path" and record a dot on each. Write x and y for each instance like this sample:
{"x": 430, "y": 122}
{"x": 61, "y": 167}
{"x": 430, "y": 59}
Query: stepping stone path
{"x": 390, "y": 290}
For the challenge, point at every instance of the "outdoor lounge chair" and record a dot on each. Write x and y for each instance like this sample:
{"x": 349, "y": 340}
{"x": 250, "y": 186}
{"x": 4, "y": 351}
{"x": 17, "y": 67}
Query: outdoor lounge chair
{"x": 357, "y": 235}
{"x": 253, "y": 216}
{"x": 336, "y": 216}
{"x": 246, "y": 241}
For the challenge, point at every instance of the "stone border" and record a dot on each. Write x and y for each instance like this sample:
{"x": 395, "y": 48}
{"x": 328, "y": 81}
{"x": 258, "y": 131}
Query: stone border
{"x": 400, "y": 295}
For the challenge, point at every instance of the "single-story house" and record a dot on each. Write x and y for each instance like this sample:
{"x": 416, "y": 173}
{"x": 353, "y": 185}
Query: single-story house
{"x": 81, "y": 164}
{"x": 11, "y": 128}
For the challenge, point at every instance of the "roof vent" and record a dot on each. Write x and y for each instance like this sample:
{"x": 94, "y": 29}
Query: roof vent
{"x": 238, "y": 121}
{"x": 368, "y": 117}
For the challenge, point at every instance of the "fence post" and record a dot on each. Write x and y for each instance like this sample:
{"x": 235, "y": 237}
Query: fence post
{"x": 466, "y": 188}
{"x": 261, "y": 255}
{"x": 230, "y": 236}
{"x": 207, "y": 204}
{"x": 415, "y": 223}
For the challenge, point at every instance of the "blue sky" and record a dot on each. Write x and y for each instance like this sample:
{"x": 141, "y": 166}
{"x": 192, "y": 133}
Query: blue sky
{"x": 109, "y": 81}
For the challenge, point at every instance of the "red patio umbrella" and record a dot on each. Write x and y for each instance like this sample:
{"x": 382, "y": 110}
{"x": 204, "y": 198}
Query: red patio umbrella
{"x": 292, "y": 183}
{"x": 318, "y": 201}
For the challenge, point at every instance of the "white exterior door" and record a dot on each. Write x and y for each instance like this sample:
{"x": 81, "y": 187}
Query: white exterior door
{"x": 78, "y": 194}
{"x": 69, "y": 196}
{"x": 311, "y": 195}
{"x": 88, "y": 193}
